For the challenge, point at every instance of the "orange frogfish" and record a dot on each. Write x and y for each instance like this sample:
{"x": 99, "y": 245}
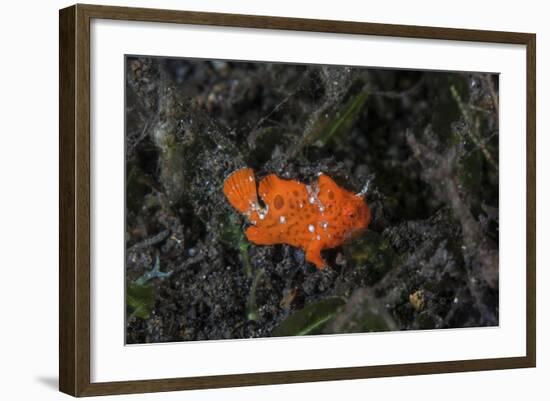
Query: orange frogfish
{"x": 312, "y": 217}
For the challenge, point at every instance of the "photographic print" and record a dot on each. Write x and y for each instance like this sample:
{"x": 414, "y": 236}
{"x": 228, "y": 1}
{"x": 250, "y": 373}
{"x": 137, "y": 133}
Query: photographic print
{"x": 270, "y": 199}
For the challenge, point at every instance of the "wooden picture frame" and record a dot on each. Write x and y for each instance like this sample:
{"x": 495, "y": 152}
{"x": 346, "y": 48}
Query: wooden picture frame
{"x": 74, "y": 204}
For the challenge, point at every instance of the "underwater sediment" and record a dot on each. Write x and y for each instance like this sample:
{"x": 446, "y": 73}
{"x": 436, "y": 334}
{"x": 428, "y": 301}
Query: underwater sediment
{"x": 426, "y": 142}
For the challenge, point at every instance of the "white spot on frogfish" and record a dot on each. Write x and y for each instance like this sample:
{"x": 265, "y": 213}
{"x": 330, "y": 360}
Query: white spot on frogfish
{"x": 311, "y": 228}
{"x": 282, "y": 219}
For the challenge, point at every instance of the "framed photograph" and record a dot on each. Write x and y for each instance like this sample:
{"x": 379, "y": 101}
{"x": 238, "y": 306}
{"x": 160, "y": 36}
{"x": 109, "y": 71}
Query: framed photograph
{"x": 250, "y": 200}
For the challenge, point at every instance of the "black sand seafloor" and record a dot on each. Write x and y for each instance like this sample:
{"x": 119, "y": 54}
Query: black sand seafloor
{"x": 426, "y": 142}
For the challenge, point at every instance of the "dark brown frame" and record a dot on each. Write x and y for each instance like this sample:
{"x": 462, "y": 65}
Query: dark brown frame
{"x": 74, "y": 202}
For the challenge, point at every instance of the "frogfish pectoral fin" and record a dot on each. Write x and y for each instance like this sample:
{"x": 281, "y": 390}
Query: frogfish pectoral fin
{"x": 313, "y": 255}
{"x": 240, "y": 189}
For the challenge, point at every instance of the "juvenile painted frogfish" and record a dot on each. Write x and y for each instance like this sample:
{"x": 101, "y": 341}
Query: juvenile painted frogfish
{"x": 312, "y": 217}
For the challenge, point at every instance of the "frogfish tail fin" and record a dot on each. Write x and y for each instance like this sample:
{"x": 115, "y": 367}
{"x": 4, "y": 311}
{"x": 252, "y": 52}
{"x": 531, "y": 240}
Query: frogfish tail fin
{"x": 240, "y": 189}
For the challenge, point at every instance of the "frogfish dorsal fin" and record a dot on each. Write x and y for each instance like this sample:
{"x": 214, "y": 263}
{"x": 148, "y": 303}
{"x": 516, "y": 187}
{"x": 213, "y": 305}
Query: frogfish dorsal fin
{"x": 280, "y": 193}
{"x": 270, "y": 187}
{"x": 240, "y": 189}
{"x": 328, "y": 189}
